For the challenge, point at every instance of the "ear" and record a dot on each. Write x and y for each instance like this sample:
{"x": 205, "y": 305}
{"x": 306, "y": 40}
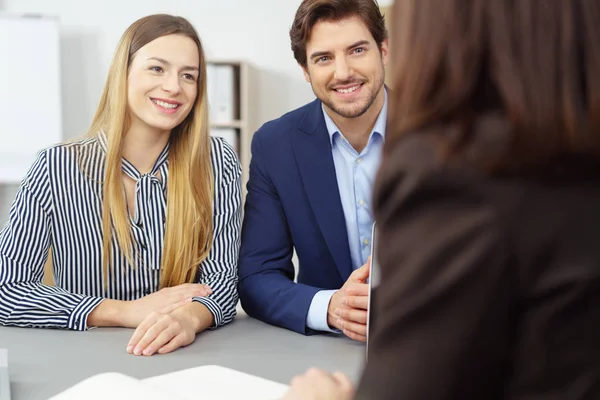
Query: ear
{"x": 306, "y": 73}
{"x": 385, "y": 52}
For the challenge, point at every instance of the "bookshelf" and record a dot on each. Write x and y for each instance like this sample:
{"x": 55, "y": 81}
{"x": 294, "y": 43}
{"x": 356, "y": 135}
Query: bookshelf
{"x": 233, "y": 112}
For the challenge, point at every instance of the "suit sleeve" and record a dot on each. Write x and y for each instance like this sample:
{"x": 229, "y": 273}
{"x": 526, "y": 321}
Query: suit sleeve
{"x": 267, "y": 288}
{"x": 442, "y": 310}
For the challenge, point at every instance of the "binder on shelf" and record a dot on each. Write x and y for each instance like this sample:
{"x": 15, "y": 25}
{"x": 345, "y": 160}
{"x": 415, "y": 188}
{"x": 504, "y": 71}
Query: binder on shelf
{"x": 222, "y": 88}
{"x": 211, "y": 89}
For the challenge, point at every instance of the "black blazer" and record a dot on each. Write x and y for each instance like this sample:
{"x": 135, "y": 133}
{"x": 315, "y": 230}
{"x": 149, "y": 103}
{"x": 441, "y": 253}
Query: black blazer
{"x": 490, "y": 286}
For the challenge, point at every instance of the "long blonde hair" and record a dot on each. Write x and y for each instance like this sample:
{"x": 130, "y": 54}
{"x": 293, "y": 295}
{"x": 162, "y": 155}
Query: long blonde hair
{"x": 188, "y": 231}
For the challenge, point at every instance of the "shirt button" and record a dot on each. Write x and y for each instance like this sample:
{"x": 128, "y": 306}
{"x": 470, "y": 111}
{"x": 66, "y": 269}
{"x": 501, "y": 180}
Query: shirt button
{"x": 366, "y": 242}
{"x": 361, "y": 203}
{"x": 358, "y": 160}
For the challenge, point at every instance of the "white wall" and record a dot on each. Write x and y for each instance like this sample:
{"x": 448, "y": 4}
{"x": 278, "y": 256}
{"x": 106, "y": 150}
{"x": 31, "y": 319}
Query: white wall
{"x": 254, "y": 30}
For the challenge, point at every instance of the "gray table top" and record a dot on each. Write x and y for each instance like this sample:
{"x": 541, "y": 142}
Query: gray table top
{"x": 44, "y": 362}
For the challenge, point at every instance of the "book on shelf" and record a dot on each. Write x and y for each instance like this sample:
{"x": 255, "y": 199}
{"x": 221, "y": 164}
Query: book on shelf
{"x": 221, "y": 86}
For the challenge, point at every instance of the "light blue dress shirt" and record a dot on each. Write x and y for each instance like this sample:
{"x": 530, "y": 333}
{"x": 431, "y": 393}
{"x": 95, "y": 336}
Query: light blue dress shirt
{"x": 355, "y": 177}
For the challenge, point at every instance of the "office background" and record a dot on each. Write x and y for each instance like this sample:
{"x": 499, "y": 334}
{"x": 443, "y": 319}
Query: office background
{"x": 254, "y": 31}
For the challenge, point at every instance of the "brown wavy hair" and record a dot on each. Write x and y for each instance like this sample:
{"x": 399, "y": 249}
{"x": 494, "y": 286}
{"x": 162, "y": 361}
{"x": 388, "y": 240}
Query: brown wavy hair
{"x": 535, "y": 62}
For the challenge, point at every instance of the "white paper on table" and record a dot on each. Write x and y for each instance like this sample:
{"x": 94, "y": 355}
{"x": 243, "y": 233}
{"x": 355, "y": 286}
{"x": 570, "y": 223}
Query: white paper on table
{"x": 205, "y": 382}
{"x": 216, "y": 382}
{"x": 114, "y": 386}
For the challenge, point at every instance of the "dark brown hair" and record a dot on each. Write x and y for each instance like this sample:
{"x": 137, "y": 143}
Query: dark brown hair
{"x": 312, "y": 11}
{"x": 534, "y": 62}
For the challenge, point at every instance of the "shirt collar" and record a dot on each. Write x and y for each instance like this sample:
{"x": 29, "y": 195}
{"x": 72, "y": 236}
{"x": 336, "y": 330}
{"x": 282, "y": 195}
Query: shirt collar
{"x": 129, "y": 169}
{"x": 379, "y": 127}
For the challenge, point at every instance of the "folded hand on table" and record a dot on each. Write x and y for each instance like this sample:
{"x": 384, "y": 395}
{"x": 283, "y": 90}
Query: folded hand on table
{"x": 172, "y": 327}
{"x": 348, "y": 306}
{"x": 161, "y": 301}
{"x": 130, "y": 314}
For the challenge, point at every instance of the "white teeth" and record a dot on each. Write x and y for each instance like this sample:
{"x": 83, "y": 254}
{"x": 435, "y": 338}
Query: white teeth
{"x": 349, "y": 90}
{"x": 165, "y": 105}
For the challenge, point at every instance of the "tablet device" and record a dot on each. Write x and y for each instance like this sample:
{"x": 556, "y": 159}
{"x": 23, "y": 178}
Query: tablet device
{"x": 374, "y": 277}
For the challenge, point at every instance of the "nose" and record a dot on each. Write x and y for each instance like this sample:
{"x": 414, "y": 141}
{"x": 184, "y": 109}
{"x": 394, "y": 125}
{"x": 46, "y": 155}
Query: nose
{"x": 343, "y": 70}
{"x": 171, "y": 83}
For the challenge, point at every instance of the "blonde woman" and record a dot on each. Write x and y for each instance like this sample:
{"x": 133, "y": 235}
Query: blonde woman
{"x": 142, "y": 215}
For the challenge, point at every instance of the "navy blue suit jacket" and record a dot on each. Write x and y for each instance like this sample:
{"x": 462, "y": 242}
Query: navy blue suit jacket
{"x": 293, "y": 201}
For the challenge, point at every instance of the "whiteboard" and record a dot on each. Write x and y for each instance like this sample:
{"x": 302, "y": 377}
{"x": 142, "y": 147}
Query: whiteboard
{"x": 30, "y": 91}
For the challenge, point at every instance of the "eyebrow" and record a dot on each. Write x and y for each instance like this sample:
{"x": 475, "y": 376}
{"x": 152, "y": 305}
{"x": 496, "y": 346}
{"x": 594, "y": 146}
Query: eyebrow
{"x": 324, "y": 53}
{"x": 163, "y": 61}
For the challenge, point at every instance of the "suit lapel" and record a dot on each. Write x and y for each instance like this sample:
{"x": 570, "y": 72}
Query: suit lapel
{"x": 312, "y": 149}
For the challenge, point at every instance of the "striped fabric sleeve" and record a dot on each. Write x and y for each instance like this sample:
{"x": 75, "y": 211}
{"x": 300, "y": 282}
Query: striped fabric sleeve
{"x": 219, "y": 270}
{"x": 24, "y": 244}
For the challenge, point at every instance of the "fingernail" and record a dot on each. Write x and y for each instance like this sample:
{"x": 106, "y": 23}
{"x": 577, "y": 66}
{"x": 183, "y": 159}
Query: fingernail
{"x": 340, "y": 323}
{"x": 129, "y": 348}
{"x": 147, "y": 352}
{"x": 137, "y": 351}
{"x": 345, "y": 301}
{"x": 338, "y": 311}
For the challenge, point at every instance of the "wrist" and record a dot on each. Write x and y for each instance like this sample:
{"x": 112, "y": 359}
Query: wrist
{"x": 197, "y": 314}
{"x": 109, "y": 313}
{"x": 331, "y": 316}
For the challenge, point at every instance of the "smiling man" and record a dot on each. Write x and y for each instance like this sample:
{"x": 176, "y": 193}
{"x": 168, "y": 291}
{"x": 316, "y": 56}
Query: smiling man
{"x": 311, "y": 178}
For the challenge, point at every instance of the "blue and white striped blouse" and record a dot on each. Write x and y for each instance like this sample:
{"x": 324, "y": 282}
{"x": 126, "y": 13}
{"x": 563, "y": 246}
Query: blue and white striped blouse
{"x": 58, "y": 205}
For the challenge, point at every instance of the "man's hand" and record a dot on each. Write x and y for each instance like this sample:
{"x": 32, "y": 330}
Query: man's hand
{"x": 316, "y": 385}
{"x": 348, "y": 306}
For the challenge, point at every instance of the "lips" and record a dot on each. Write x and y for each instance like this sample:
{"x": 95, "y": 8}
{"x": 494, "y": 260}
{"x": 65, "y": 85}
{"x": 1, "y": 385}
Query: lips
{"x": 348, "y": 90}
{"x": 165, "y": 103}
